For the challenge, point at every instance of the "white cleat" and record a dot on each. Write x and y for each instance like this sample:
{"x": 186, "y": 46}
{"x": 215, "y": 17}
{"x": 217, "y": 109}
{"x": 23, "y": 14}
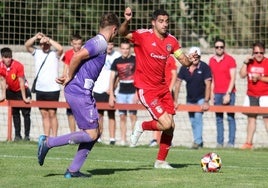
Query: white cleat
{"x": 137, "y": 131}
{"x": 162, "y": 164}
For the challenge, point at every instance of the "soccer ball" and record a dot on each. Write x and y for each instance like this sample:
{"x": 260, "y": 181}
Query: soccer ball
{"x": 211, "y": 162}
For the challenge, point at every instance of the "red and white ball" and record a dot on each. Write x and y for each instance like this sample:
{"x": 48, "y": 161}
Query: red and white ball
{"x": 211, "y": 162}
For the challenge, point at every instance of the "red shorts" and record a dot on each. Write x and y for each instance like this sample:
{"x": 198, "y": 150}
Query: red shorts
{"x": 157, "y": 101}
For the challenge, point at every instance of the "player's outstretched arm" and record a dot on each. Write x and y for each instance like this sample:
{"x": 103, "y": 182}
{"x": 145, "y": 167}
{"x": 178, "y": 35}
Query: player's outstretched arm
{"x": 123, "y": 29}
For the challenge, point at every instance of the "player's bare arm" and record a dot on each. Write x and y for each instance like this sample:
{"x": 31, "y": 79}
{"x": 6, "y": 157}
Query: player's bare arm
{"x": 123, "y": 29}
{"x": 75, "y": 62}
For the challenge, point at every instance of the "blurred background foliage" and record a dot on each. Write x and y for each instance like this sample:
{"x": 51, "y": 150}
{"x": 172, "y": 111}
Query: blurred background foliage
{"x": 193, "y": 22}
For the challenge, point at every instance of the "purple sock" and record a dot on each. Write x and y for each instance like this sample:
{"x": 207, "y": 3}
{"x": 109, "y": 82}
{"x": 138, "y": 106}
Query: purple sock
{"x": 81, "y": 156}
{"x": 72, "y": 138}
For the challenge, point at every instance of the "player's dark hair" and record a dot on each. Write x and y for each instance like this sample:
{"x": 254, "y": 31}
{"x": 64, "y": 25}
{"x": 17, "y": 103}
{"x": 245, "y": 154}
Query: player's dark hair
{"x": 258, "y": 44}
{"x": 159, "y": 12}
{"x": 6, "y": 52}
{"x": 109, "y": 19}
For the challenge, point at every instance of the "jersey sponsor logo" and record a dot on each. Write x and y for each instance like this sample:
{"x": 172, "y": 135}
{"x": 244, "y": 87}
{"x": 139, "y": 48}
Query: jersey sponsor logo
{"x": 169, "y": 47}
{"x": 158, "y": 56}
{"x": 259, "y": 70}
{"x": 159, "y": 109}
{"x": 89, "y": 83}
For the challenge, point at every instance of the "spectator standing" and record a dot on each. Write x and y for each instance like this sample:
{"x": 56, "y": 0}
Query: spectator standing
{"x": 16, "y": 89}
{"x": 223, "y": 68}
{"x": 255, "y": 69}
{"x": 124, "y": 68}
{"x": 84, "y": 70}
{"x": 46, "y": 86}
{"x": 170, "y": 78}
{"x": 198, "y": 88}
{"x": 152, "y": 48}
{"x": 101, "y": 91}
{"x": 76, "y": 43}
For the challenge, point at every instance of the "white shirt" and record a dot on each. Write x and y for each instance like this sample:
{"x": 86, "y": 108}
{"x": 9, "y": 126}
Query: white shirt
{"x": 103, "y": 81}
{"x": 49, "y": 72}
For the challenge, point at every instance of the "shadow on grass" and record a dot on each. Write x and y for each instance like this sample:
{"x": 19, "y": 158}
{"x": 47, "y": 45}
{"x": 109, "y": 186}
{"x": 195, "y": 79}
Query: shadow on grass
{"x": 50, "y": 175}
{"x": 113, "y": 170}
{"x": 182, "y": 165}
{"x": 107, "y": 171}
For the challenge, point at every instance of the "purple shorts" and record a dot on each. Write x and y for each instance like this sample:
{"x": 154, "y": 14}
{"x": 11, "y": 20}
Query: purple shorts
{"x": 84, "y": 111}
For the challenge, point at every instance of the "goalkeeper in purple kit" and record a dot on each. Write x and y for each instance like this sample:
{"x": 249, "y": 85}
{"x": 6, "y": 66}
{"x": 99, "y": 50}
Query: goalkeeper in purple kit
{"x": 84, "y": 70}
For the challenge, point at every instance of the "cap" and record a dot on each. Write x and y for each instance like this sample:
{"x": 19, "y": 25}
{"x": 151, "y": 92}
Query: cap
{"x": 195, "y": 49}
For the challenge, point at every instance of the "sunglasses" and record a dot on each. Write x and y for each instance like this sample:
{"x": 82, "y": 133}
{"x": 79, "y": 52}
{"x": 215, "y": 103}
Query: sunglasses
{"x": 219, "y": 47}
{"x": 258, "y": 53}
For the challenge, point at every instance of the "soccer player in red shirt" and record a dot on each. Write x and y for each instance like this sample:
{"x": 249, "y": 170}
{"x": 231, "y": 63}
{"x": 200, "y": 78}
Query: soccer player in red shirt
{"x": 170, "y": 78}
{"x": 13, "y": 73}
{"x": 152, "y": 48}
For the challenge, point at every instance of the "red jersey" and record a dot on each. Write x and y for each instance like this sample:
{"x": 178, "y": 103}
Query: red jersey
{"x": 12, "y": 74}
{"x": 171, "y": 65}
{"x": 151, "y": 57}
{"x": 221, "y": 73}
{"x": 68, "y": 56}
{"x": 2, "y": 73}
{"x": 259, "y": 88}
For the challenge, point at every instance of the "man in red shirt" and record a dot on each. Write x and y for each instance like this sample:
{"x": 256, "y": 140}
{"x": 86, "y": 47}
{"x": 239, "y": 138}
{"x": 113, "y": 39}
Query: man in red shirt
{"x": 255, "y": 69}
{"x": 16, "y": 90}
{"x": 223, "y": 69}
{"x": 76, "y": 43}
{"x": 152, "y": 48}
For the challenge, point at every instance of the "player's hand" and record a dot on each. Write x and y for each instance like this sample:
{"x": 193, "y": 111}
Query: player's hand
{"x": 60, "y": 80}
{"x": 63, "y": 80}
{"x": 128, "y": 13}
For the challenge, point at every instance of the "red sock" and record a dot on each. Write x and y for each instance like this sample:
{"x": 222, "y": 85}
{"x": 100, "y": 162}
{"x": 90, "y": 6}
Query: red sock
{"x": 150, "y": 125}
{"x": 164, "y": 147}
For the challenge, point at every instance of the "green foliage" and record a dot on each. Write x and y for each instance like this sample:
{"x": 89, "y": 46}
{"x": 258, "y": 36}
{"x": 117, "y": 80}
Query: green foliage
{"x": 193, "y": 22}
{"x": 120, "y": 167}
